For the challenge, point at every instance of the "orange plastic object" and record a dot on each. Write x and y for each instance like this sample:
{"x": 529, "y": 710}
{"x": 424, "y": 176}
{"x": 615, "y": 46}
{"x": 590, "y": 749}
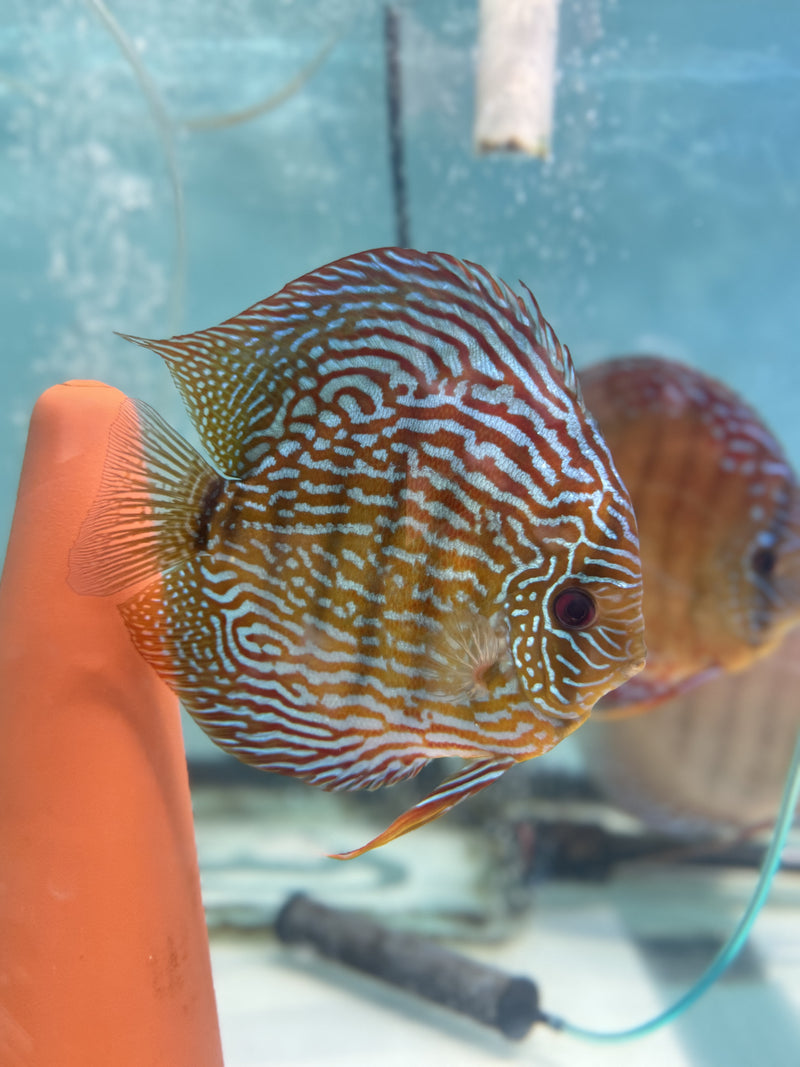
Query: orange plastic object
{"x": 103, "y": 945}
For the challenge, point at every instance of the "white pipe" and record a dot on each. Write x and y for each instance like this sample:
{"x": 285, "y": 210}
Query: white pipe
{"x": 516, "y": 75}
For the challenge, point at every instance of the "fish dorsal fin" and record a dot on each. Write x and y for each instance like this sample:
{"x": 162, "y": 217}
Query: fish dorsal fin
{"x": 557, "y": 354}
{"x": 223, "y": 388}
{"x": 390, "y": 310}
{"x": 466, "y": 782}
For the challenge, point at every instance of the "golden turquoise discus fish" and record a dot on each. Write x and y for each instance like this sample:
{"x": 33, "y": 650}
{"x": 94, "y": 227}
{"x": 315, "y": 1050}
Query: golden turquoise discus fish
{"x": 418, "y": 545}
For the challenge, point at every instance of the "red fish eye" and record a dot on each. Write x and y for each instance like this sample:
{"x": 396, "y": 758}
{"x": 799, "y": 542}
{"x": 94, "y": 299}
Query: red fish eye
{"x": 574, "y": 608}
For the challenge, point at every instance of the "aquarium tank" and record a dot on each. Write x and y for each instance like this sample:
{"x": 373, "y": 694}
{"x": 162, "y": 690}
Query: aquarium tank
{"x": 636, "y": 166}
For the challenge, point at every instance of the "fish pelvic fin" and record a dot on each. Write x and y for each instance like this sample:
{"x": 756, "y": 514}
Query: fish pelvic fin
{"x": 466, "y": 782}
{"x": 149, "y": 513}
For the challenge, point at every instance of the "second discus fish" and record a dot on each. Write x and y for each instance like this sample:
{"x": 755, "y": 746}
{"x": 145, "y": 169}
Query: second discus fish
{"x": 718, "y": 506}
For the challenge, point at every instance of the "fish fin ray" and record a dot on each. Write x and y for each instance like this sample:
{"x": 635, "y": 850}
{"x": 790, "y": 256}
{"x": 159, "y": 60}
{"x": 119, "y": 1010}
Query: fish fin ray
{"x": 466, "y": 656}
{"x": 466, "y": 782}
{"x": 557, "y": 354}
{"x": 163, "y": 634}
{"x": 528, "y": 313}
{"x": 226, "y": 391}
{"x": 351, "y": 776}
{"x": 143, "y": 520}
{"x": 641, "y": 693}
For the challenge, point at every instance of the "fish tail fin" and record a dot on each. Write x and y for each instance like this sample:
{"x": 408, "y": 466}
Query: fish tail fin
{"x": 464, "y": 783}
{"x": 149, "y": 508}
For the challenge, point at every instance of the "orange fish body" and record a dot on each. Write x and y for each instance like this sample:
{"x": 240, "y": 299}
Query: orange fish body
{"x": 418, "y": 545}
{"x": 718, "y": 511}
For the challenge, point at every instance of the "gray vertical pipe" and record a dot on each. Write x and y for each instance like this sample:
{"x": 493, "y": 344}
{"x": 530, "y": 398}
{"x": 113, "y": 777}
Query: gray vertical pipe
{"x": 394, "y": 101}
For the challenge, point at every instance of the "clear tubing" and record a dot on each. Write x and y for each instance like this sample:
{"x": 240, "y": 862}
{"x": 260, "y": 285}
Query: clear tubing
{"x": 164, "y": 130}
{"x": 735, "y": 942}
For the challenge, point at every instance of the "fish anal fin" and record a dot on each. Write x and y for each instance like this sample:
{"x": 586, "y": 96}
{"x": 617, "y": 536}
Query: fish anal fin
{"x": 466, "y": 782}
{"x": 146, "y": 515}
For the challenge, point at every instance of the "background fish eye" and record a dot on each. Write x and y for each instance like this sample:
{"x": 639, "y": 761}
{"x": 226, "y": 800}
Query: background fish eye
{"x": 763, "y": 561}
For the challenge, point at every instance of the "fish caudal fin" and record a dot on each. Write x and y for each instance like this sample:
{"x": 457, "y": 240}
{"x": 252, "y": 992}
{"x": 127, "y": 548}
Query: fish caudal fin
{"x": 464, "y": 783}
{"x": 149, "y": 508}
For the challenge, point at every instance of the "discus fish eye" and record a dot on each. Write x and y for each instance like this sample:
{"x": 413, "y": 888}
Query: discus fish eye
{"x": 574, "y": 608}
{"x": 763, "y": 561}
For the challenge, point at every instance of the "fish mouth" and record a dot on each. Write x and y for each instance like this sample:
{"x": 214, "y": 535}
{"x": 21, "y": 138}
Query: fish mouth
{"x": 636, "y": 658}
{"x": 580, "y": 711}
{"x": 624, "y": 672}
{"x": 634, "y": 666}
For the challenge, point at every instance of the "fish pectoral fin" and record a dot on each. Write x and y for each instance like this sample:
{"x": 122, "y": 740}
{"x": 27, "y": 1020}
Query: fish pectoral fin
{"x": 145, "y": 517}
{"x": 464, "y": 783}
{"x": 641, "y": 693}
